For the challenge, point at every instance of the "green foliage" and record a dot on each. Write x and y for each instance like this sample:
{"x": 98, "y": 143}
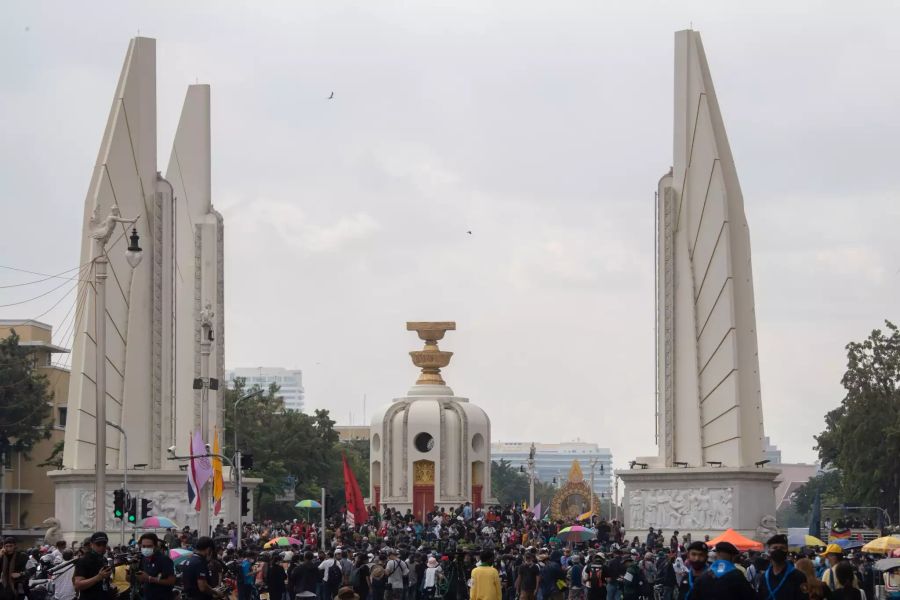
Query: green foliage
{"x": 290, "y": 444}
{"x": 510, "y": 486}
{"x": 55, "y": 460}
{"x": 826, "y": 483}
{"x": 25, "y": 399}
{"x": 862, "y": 436}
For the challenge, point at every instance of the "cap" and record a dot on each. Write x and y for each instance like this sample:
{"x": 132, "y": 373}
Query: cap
{"x": 699, "y": 546}
{"x": 832, "y": 549}
{"x": 727, "y": 547}
{"x": 99, "y": 538}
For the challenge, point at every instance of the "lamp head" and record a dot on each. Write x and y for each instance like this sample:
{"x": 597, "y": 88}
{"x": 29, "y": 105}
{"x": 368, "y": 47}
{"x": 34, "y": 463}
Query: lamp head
{"x": 134, "y": 254}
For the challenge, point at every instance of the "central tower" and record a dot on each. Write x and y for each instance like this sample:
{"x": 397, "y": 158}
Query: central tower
{"x": 430, "y": 448}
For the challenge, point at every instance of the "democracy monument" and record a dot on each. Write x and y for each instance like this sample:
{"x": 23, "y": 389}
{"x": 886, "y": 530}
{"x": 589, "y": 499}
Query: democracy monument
{"x": 430, "y": 448}
{"x": 163, "y": 321}
{"x": 709, "y": 474}
{"x": 158, "y": 324}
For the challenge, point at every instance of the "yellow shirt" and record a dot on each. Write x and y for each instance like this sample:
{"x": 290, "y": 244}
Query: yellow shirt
{"x": 485, "y": 584}
{"x": 120, "y": 578}
{"x": 829, "y": 579}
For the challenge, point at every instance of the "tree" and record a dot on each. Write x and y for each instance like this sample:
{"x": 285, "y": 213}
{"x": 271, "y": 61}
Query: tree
{"x": 826, "y": 483}
{"x": 288, "y": 446}
{"x": 25, "y": 399}
{"x": 509, "y": 485}
{"x": 862, "y": 436}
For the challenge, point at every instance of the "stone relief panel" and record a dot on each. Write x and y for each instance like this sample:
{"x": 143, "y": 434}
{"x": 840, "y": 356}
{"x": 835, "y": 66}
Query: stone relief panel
{"x": 691, "y": 508}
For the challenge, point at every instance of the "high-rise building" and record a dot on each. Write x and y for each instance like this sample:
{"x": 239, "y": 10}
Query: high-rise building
{"x": 289, "y": 382}
{"x": 555, "y": 460}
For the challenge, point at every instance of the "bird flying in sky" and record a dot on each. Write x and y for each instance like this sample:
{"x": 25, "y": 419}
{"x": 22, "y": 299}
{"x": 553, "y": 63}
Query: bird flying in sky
{"x": 331, "y": 96}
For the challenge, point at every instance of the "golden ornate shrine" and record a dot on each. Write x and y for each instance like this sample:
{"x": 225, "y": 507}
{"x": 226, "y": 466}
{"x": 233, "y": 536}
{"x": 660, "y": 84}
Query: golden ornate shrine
{"x": 423, "y": 472}
{"x": 574, "y": 498}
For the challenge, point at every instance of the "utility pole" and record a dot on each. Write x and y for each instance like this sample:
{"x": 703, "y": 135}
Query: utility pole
{"x": 2, "y": 490}
{"x": 124, "y": 471}
{"x": 531, "y": 455}
{"x": 236, "y": 468}
{"x": 206, "y": 338}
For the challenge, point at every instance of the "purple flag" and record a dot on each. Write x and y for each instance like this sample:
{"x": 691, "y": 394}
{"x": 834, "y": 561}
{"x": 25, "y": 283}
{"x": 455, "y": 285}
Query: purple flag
{"x": 203, "y": 470}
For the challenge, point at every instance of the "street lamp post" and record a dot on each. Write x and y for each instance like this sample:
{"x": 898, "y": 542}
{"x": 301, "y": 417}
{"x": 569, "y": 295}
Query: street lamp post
{"x": 102, "y": 230}
{"x": 236, "y": 468}
{"x": 124, "y": 471}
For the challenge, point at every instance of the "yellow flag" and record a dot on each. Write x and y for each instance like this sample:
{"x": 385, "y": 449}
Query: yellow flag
{"x": 582, "y": 516}
{"x": 218, "y": 482}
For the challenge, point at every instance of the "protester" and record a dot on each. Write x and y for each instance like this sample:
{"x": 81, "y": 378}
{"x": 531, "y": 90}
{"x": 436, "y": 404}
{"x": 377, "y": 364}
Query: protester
{"x": 485, "y": 579}
{"x": 781, "y": 581}
{"x": 815, "y": 589}
{"x": 92, "y": 571}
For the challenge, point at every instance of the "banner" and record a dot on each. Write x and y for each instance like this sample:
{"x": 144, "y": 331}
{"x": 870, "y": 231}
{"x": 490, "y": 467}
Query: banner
{"x": 218, "y": 480}
{"x": 355, "y": 503}
{"x": 192, "y": 490}
{"x": 203, "y": 470}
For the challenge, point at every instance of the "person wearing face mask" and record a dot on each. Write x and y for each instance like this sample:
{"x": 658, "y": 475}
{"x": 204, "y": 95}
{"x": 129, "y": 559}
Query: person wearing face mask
{"x": 92, "y": 571}
{"x": 157, "y": 571}
{"x": 781, "y": 581}
{"x": 195, "y": 576}
{"x": 724, "y": 580}
{"x": 692, "y": 582}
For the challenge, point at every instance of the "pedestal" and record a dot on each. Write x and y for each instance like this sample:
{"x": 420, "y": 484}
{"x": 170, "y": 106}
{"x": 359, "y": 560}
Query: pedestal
{"x": 167, "y": 489}
{"x": 700, "y": 501}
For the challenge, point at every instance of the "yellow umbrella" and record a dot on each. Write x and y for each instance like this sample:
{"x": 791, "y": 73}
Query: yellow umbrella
{"x": 882, "y": 545}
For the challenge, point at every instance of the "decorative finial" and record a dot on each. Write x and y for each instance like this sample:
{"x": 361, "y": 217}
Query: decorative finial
{"x": 430, "y": 359}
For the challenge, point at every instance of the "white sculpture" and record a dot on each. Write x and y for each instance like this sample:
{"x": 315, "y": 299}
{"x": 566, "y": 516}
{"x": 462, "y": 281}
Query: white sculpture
{"x": 693, "y": 508}
{"x": 54, "y": 531}
{"x": 102, "y": 229}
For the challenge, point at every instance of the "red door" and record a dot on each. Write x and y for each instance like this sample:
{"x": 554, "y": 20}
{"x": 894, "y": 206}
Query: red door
{"x": 477, "y": 495}
{"x": 423, "y": 500}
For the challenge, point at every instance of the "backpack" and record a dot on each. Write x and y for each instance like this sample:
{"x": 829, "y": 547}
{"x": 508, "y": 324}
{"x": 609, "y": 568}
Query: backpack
{"x": 335, "y": 574}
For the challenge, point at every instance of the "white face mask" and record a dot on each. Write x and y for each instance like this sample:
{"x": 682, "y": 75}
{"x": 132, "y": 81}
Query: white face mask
{"x": 147, "y": 551}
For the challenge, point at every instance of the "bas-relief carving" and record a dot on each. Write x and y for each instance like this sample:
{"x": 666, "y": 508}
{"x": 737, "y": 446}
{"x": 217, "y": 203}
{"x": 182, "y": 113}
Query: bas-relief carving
{"x": 169, "y": 504}
{"x": 691, "y": 508}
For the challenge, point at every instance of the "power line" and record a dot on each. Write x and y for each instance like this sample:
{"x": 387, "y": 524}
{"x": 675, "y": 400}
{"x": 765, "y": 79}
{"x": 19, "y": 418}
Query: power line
{"x": 46, "y": 278}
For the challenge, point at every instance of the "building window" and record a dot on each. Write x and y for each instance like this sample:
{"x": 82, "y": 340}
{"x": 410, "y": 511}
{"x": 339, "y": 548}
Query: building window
{"x": 423, "y": 442}
{"x": 63, "y": 414}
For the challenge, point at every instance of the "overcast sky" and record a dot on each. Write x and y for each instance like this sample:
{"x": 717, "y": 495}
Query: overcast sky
{"x": 542, "y": 127}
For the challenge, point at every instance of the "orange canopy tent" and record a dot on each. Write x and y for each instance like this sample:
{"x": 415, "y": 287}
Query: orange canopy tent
{"x": 740, "y": 542}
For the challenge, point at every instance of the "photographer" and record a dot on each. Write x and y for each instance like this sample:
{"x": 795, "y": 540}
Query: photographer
{"x": 12, "y": 570}
{"x": 156, "y": 572}
{"x": 92, "y": 571}
{"x": 195, "y": 576}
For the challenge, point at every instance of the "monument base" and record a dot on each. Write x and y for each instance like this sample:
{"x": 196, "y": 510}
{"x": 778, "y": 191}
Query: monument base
{"x": 167, "y": 489}
{"x": 700, "y": 501}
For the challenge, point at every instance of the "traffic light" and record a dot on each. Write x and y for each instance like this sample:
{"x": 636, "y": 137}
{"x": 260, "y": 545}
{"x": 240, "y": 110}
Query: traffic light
{"x": 245, "y": 501}
{"x": 146, "y": 507}
{"x": 119, "y": 504}
{"x": 246, "y": 462}
{"x": 132, "y": 510}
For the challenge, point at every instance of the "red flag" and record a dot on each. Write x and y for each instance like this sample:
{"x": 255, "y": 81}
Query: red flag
{"x": 353, "y": 496}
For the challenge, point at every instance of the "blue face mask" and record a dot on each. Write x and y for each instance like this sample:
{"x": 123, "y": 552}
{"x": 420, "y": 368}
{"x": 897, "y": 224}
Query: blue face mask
{"x": 147, "y": 551}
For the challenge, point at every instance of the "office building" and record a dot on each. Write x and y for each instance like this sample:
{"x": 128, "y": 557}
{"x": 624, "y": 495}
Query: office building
{"x": 555, "y": 460}
{"x": 289, "y": 382}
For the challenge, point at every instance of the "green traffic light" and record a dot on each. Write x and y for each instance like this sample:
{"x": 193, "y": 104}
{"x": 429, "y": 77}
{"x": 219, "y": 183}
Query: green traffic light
{"x": 131, "y": 518}
{"x": 118, "y": 513}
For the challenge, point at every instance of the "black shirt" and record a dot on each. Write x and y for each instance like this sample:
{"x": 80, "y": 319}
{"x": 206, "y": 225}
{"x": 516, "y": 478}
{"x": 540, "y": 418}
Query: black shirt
{"x": 195, "y": 568}
{"x": 732, "y": 585}
{"x": 792, "y": 588}
{"x": 157, "y": 565}
{"x": 528, "y": 575}
{"x": 89, "y": 566}
{"x": 304, "y": 578}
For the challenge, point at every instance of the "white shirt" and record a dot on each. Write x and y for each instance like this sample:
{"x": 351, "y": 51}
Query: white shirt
{"x": 431, "y": 574}
{"x": 63, "y": 587}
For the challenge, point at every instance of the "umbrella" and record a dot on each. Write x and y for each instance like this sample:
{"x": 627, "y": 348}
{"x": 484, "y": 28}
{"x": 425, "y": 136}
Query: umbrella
{"x": 576, "y": 533}
{"x": 307, "y": 504}
{"x": 282, "y": 541}
{"x": 847, "y": 544}
{"x": 179, "y": 555}
{"x": 882, "y": 545}
{"x": 158, "y": 523}
{"x": 740, "y": 542}
{"x": 887, "y": 564}
{"x": 804, "y": 539}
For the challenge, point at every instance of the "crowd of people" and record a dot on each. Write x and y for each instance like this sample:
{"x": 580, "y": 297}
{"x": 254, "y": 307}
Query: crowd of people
{"x": 499, "y": 553}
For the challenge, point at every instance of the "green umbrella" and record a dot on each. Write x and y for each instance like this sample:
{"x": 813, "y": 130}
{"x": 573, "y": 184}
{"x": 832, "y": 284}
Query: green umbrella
{"x": 308, "y": 504}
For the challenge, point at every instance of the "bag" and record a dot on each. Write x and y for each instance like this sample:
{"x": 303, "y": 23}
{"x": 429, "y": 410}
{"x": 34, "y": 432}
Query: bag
{"x": 377, "y": 572}
{"x": 561, "y": 585}
{"x": 335, "y": 574}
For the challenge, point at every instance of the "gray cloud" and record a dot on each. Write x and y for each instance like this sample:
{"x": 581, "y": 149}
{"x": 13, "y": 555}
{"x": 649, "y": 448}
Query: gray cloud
{"x": 543, "y": 130}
